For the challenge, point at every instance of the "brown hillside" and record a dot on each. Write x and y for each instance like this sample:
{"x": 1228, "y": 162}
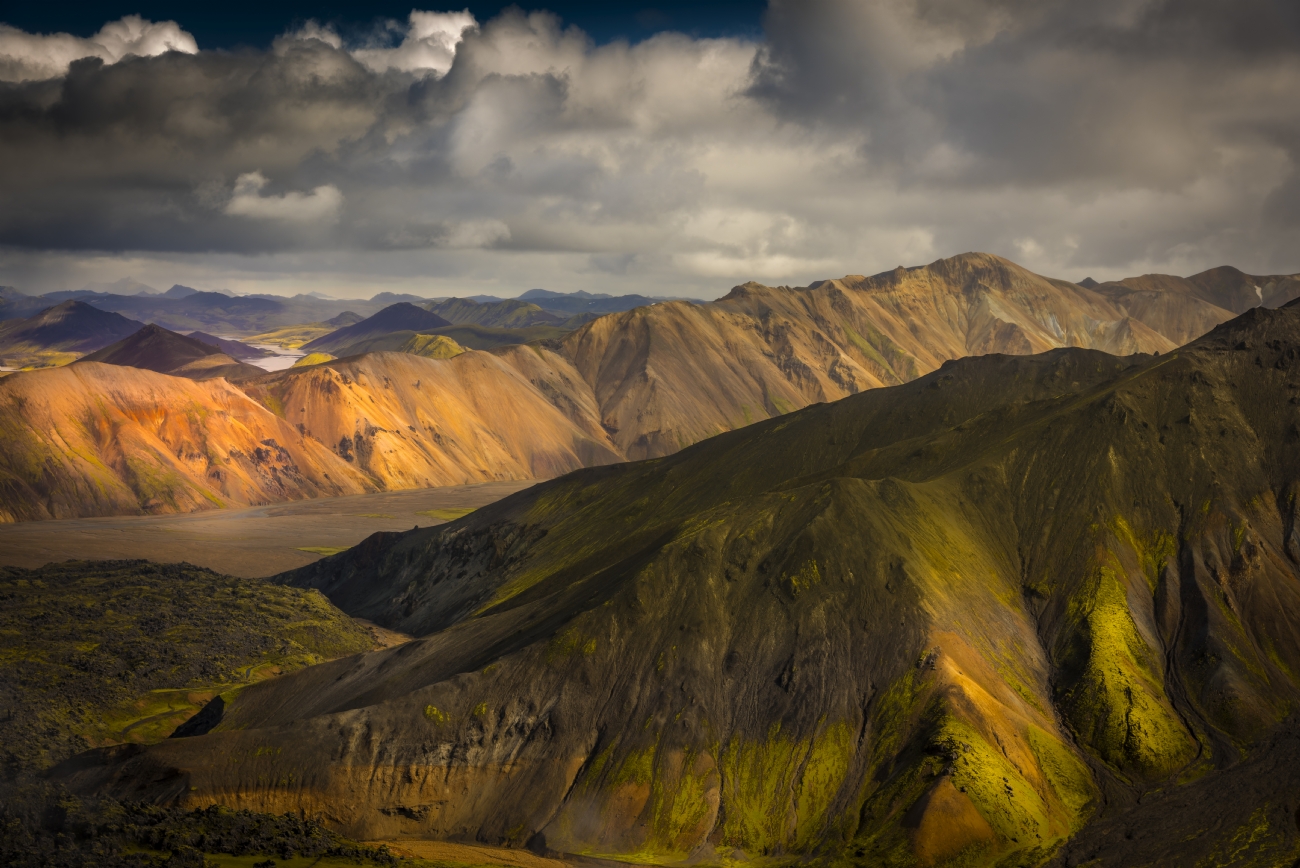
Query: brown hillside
{"x": 668, "y": 375}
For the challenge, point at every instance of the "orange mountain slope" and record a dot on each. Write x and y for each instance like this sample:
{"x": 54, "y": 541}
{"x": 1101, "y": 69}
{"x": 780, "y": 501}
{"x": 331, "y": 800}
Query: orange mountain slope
{"x": 638, "y": 384}
{"x": 95, "y": 439}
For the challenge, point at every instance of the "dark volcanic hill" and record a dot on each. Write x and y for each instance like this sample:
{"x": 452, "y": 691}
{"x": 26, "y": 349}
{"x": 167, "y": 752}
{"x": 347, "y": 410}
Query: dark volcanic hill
{"x": 154, "y": 348}
{"x": 70, "y": 327}
{"x": 959, "y": 621}
{"x": 235, "y": 349}
{"x": 400, "y": 317}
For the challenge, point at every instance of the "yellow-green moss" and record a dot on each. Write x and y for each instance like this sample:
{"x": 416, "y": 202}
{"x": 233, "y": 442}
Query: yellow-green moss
{"x": 776, "y": 792}
{"x": 807, "y": 576}
{"x": 435, "y": 715}
{"x": 1118, "y": 704}
{"x": 1066, "y": 775}
{"x": 446, "y": 514}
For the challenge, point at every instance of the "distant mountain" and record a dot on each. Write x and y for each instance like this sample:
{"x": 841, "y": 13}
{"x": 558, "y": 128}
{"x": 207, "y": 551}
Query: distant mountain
{"x": 125, "y": 286}
{"x": 61, "y": 333}
{"x": 585, "y": 302}
{"x": 234, "y": 349}
{"x": 472, "y": 337}
{"x": 178, "y": 291}
{"x": 400, "y": 317}
{"x": 388, "y": 298}
{"x": 294, "y": 336}
{"x": 154, "y": 348}
{"x": 1025, "y": 609}
{"x": 14, "y": 304}
{"x": 1184, "y": 307}
{"x": 511, "y": 313}
{"x": 220, "y": 312}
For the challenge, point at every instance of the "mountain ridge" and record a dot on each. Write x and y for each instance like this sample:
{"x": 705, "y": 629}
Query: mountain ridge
{"x": 646, "y": 382}
{"x": 956, "y": 621}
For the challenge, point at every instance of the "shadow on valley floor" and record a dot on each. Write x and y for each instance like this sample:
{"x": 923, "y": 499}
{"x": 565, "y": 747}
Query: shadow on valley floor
{"x": 254, "y": 542}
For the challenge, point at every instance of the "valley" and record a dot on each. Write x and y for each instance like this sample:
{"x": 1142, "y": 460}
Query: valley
{"x": 952, "y": 565}
{"x": 984, "y": 617}
{"x": 252, "y": 542}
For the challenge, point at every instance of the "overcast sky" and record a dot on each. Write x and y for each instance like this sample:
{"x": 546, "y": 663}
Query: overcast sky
{"x": 443, "y": 154}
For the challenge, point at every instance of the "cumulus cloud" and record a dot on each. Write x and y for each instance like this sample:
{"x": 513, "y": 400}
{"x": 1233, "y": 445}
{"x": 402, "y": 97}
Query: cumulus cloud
{"x": 425, "y": 44}
{"x": 320, "y": 204}
{"x": 429, "y": 43}
{"x": 32, "y": 56}
{"x": 1105, "y": 138}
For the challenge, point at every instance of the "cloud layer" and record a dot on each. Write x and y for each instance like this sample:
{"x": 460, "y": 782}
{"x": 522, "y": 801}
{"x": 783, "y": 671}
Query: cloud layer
{"x": 1106, "y": 138}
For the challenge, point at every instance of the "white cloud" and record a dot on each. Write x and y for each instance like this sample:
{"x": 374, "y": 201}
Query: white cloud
{"x": 34, "y": 56}
{"x": 321, "y": 204}
{"x": 428, "y": 44}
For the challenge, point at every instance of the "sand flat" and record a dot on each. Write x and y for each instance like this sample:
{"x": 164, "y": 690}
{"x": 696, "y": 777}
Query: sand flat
{"x": 254, "y": 542}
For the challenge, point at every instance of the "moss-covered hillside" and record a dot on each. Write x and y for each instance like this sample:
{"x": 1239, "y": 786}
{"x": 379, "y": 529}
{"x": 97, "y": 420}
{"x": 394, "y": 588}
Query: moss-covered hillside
{"x": 970, "y": 620}
{"x": 124, "y": 651}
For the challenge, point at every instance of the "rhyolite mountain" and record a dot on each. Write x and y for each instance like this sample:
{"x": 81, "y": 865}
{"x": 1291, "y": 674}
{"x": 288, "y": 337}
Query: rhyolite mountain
{"x": 97, "y": 439}
{"x": 638, "y": 384}
{"x": 990, "y": 616}
{"x": 154, "y": 348}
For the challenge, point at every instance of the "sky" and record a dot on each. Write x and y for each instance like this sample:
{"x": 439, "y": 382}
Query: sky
{"x": 675, "y": 149}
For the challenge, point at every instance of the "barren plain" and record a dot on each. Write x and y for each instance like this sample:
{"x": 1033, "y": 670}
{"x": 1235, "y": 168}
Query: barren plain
{"x": 250, "y": 543}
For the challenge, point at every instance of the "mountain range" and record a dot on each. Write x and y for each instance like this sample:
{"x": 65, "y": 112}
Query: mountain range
{"x": 183, "y": 308}
{"x": 643, "y": 383}
{"x": 1020, "y": 608}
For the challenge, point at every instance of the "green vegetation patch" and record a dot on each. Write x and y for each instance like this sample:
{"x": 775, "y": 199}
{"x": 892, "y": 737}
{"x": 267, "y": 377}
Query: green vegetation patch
{"x": 1117, "y": 701}
{"x": 103, "y": 652}
{"x": 778, "y": 790}
{"x": 323, "y": 550}
{"x": 450, "y": 514}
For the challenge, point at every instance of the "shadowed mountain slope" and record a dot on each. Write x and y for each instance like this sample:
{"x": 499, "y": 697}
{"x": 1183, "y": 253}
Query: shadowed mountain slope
{"x": 951, "y": 622}
{"x": 508, "y": 313}
{"x": 66, "y": 330}
{"x": 154, "y": 348}
{"x": 235, "y": 349}
{"x": 402, "y": 316}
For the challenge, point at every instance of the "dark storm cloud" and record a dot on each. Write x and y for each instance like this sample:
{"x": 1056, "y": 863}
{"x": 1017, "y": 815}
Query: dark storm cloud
{"x": 1110, "y": 135}
{"x": 1003, "y": 91}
